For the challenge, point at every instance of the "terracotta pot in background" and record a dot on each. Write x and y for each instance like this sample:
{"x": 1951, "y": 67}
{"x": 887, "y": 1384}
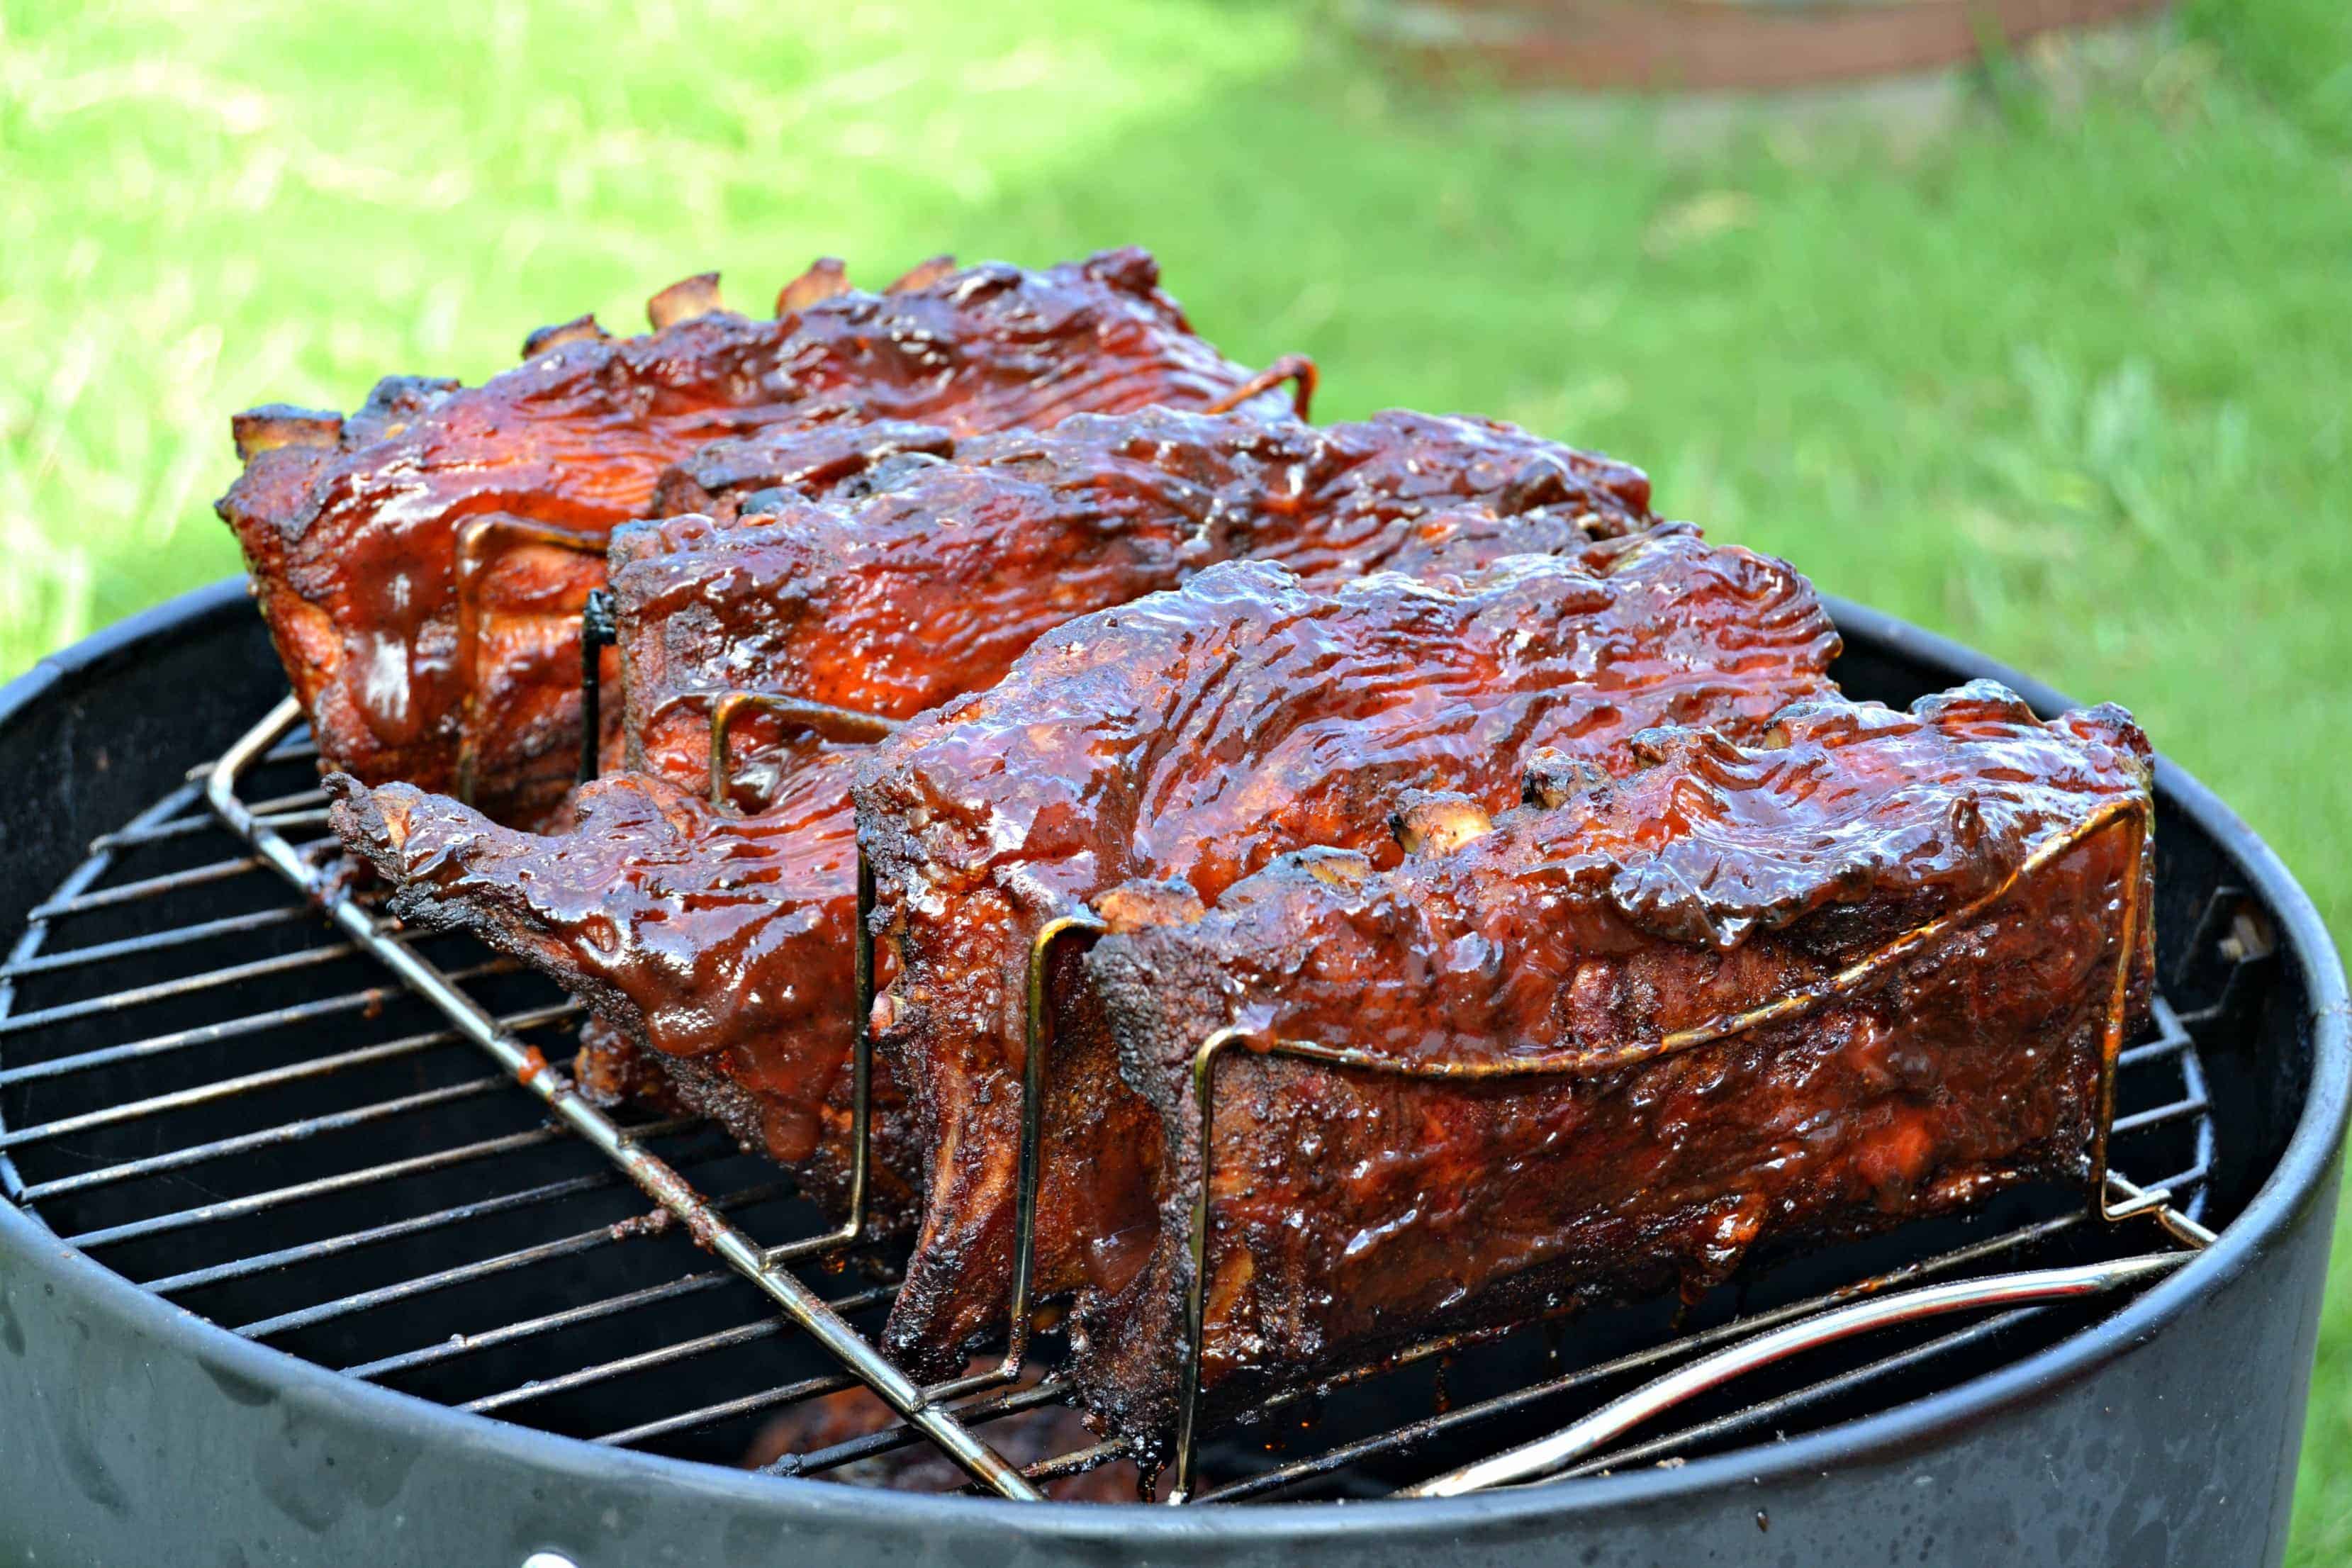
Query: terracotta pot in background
{"x": 1710, "y": 45}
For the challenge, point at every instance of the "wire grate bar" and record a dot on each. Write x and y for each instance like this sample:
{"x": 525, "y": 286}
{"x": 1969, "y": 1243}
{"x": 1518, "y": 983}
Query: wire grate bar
{"x": 362, "y": 1000}
{"x": 268, "y": 1077}
{"x": 165, "y": 990}
{"x": 267, "y": 1137}
{"x": 2160, "y": 1115}
{"x": 395, "y": 1230}
{"x": 505, "y": 1334}
{"x": 2155, "y": 1051}
{"x": 37, "y": 931}
{"x": 188, "y": 826}
{"x": 898, "y": 1434}
{"x": 2172, "y": 1036}
{"x": 278, "y": 1197}
{"x": 685, "y": 1420}
{"x": 133, "y": 892}
{"x": 1078, "y": 1463}
{"x": 99, "y": 953}
{"x": 2192, "y": 1078}
{"x": 684, "y": 1349}
{"x": 78, "y": 882}
{"x": 504, "y": 1262}
{"x": 791, "y": 1391}
{"x": 262, "y": 809}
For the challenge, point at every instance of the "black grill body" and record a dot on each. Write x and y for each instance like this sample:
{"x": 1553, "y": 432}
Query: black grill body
{"x": 2167, "y": 1432}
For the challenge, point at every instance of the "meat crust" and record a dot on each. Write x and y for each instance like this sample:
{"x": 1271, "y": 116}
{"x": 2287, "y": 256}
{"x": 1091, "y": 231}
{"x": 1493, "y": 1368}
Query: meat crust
{"x": 1352, "y": 1211}
{"x": 1189, "y": 738}
{"x": 352, "y": 527}
{"x": 894, "y": 566}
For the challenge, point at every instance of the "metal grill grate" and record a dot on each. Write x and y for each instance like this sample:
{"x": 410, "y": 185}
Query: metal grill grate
{"x": 222, "y": 1096}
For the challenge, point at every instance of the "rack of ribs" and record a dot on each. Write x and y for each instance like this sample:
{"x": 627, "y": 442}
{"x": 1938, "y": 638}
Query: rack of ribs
{"x": 723, "y": 943}
{"x": 422, "y": 562}
{"x": 956, "y": 552}
{"x": 1983, "y": 874}
{"x": 1186, "y": 741}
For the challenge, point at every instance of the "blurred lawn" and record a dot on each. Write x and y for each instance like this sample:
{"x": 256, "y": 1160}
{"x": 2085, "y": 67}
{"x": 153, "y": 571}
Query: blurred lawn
{"x": 2063, "y": 372}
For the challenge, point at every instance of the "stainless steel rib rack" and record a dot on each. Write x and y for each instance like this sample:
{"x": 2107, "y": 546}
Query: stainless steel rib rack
{"x": 305, "y": 1155}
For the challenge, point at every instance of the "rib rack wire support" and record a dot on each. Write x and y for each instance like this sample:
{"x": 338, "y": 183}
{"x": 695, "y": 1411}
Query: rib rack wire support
{"x": 654, "y": 1176}
{"x": 2110, "y": 1198}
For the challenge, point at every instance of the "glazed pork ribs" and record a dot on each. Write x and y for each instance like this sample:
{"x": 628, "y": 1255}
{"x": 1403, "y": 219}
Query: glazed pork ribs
{"x": 1189, "y": 738}
{"x": 722, "y": 944}
{"x": 422, "y": 564}
{"x": 1614, "y": 940}
{"x": 713, "y": 949}
{"x": 889, "y": 568}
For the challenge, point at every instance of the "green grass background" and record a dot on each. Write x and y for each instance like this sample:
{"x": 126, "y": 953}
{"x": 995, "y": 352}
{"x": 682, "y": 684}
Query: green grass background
{"x": 2056, "y": 361}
